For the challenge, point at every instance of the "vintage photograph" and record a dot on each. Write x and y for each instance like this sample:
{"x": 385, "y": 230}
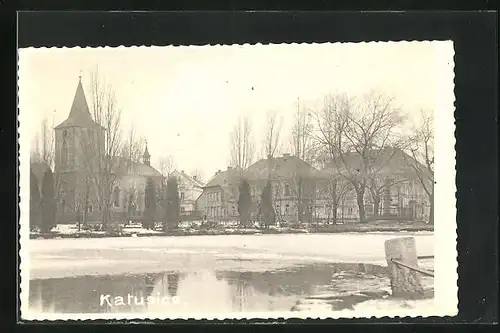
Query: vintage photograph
{"x": 238, "y": 181}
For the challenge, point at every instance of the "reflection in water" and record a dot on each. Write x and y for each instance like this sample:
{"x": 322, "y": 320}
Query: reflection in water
{"x": 334, "y": 286}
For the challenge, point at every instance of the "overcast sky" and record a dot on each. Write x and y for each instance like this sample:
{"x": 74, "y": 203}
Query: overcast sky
{"x": 185, "y": 100}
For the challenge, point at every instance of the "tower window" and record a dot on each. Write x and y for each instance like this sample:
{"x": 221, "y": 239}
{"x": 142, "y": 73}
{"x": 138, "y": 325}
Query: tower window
{"x": 116, "y": 197}
{"x": 64, "y": 153}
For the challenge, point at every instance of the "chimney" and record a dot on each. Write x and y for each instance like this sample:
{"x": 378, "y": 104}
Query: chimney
{"x": 229, "y": 167}
{"x": 218, "y": 171}
{"x": 286, "y": 155}
{"x": 182, "y": 171}
{"x": 195, "y": 177}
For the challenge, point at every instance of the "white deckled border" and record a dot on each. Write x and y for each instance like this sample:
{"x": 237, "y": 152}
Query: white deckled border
{"x": 445, "y": 235}
{"x": 445, "y": 214}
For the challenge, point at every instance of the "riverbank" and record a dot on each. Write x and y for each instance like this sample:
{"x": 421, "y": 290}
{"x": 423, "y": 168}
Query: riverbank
{"x": 369, "y": 227}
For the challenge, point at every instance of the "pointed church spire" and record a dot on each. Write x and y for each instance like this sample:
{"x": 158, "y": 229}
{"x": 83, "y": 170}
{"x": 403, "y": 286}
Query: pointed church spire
{"x": 146, "y": 156}
{"x": 79, "y": 115}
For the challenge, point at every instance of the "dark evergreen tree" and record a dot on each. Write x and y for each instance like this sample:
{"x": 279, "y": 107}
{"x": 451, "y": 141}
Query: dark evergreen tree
{"x": 48, "y": 203}
{"x": 268, "y": 214}
{"x": 244, "y": 203}
{"x": 34, "y": 202}
{"x": 149, "y": 205}
{"x": 172, "y": 205}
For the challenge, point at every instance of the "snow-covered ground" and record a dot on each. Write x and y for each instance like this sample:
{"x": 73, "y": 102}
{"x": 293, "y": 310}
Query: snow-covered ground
{"x": 51, "y": 258}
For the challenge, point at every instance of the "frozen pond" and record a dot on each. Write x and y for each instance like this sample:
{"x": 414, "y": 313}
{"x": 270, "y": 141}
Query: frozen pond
{"x": 213, "y": 273}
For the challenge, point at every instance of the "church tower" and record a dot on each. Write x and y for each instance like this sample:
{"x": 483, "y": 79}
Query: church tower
{"x": 79, "y": 141}
{"x": 146, "y": 158}
{"x": 78, "y": 137}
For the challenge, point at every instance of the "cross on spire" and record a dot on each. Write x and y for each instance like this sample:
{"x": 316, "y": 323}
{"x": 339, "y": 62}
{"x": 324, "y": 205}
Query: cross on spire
{"x": 80, "y": 76}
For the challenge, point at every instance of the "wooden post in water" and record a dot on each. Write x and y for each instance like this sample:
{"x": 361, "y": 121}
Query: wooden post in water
{"x": 405, "y": 282}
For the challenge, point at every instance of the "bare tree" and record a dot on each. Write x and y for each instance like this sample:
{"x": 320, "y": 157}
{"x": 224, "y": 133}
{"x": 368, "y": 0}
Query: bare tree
{"x": 334, "y": 190}
{"x": 271, "y": 145}
{"x": 302, "y": 134}
{"x": 133, "y": 147}
{"x": 421, "y": 150}
{"x": 103, "y": 147}
{"x": 43, "y": 151}
{"x": 167, "y": 165}
{"x": 356, "y": 133}
{"x": 242, "y": 147}
{"x": 299, "y": 193}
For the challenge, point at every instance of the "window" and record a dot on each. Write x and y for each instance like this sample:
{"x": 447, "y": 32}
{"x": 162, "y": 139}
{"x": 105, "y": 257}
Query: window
{"x": 90, "y": 135}
{"x": 89, "y": 208}
{"x": 63, "y": 205}
{"x": 116, "y": 197}
{"x": 182, "y": 195}
{"x": 65, "y": 150}
{"x": 183, "y": 210}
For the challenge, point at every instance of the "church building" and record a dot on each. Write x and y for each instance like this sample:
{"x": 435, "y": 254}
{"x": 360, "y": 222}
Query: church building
{"x": 86, "y": 177}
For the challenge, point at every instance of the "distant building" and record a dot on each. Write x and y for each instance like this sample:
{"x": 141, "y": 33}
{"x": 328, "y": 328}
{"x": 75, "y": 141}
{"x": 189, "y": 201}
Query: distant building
{"x": 293, "y": 183}
{"x": 190, "y": 189}
{"x": 128, "y": 196}
{"x": 79, "y": 150}
{"x": 219, "y": 199}
{"x": 394, "y": 192}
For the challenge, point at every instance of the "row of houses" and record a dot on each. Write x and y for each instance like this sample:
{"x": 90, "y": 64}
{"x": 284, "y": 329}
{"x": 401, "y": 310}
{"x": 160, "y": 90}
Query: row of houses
{"x": 302, "y": 193}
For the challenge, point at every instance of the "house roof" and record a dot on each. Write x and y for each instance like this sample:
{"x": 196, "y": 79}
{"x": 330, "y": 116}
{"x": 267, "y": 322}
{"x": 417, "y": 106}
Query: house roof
{"x": 79, "y": 115}
{"x": 228, "y": 181}
{"x": 229, "y": 177}
{"x": 386, "y": 161}
{"x": 39, "y": 169}
{"x": 187, "y": 177}
{"x": 283, "y": 167}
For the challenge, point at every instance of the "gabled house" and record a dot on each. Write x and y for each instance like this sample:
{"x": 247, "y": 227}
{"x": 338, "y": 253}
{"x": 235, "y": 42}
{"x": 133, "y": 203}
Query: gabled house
{"x": 393, "y": 189}
{"x": 190, "y": 189}
{"x": 293, "y": 183}
{"x": 219, "y": 199}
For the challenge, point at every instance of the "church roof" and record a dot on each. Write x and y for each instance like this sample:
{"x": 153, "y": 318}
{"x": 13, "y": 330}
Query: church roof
{"x": 131, "y": 168}
{"x": 79, "y": 116}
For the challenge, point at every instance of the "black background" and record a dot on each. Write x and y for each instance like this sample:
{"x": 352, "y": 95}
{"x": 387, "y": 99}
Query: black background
{"x": 476, "y": 83}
